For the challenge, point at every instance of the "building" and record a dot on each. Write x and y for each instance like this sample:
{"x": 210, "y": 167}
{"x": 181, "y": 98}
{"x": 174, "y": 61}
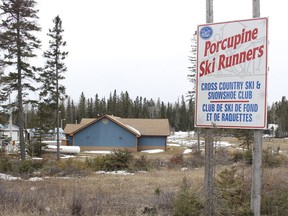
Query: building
{"x": 110, "y": 133}
{"x": 11, "y": 131}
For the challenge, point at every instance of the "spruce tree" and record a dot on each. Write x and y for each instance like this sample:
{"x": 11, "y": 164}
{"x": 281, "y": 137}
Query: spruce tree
{"x": 82, "y": 107}
{"x": 96, "y": 108}
{"x": 90, "y": 108}
{"x": 51, "y": 90}
{"x": 18, "y": 23}
{"x": 68, "y": 114}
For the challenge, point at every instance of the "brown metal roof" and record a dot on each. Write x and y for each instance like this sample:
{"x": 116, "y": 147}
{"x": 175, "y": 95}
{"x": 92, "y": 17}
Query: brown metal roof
{"x": 70, "y": 128}
{"x": 146, "y": 127}
{"x": 149, "y": 127}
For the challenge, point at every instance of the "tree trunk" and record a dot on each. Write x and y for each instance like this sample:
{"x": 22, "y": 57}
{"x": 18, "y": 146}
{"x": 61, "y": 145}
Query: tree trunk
{"x": 20, "y": 96}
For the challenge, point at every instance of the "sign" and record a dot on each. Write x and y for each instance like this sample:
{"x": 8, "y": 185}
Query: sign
{"x": 231, "y": 77}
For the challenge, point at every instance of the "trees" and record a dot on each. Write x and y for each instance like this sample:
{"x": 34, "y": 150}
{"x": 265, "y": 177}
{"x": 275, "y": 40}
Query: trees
{"x": 51, "y": 91}
{"x": 18, "y": 23}
{"x": 82, "y": 108}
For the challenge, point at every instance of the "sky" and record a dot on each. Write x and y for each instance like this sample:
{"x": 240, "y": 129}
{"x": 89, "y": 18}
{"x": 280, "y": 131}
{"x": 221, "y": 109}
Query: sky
{"x": 143, "y": 46}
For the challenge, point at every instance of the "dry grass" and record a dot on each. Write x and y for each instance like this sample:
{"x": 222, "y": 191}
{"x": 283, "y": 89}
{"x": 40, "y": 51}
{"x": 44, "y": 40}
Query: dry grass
{"x": 112, "y": 195}
{"x": 98, "y": 194}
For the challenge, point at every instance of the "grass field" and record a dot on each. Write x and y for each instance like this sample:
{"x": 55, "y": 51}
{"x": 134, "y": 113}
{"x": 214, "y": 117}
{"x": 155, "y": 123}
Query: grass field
{"x": 152, "y": 192}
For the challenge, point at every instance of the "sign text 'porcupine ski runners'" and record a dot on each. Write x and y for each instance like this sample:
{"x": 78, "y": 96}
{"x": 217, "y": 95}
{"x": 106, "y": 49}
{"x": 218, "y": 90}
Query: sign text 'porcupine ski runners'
{"x": 231, "y": 77}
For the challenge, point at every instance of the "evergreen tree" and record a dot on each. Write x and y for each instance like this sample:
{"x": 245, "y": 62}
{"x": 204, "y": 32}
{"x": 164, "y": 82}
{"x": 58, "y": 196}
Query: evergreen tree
{"x": 280, "y": 110}
{"x": 68, "y": 114}
{"x": 112, "y": 103}
{"x": 126, "y": 105}
{"x": 90, "y": 108}
{"x": 169, "y": 113}
{"x": 177, "y": 116}
{"x": 18, "y": 22}
{"x": 82, "y": 108}
{"x": 62, "y": 113}
{"x": 183, "y": 115}
{"x": 145, "y": 108}
{"x": 73, "y": 113}
{"x": 245, "y": 136}
{"x": 163, "y": 110}
{"x": 51, "y": 90}
{"x": 96, "y": 108}
{"x": 191, "y": 111}
{"x": 136, "y": 108}
{"x": 103, "y": 106}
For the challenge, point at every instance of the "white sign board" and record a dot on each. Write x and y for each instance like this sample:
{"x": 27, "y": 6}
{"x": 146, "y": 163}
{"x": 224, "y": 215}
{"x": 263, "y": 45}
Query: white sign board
{"x": 231, "y": 77}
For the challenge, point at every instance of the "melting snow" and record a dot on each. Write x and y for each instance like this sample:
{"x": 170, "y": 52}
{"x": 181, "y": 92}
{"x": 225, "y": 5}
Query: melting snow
{"x": 115, "y": 172}
{"x": 97, "y": 152}
{"x": 169, "y": 144}
{"x": 8, "y": 177}
{"x": 186, "y": 151}
{"x": 34, "y": 179}
{"x": 152, "y": 151}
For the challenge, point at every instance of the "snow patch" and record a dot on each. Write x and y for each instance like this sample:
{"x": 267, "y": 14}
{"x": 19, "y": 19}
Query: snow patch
{"x": 115, "y": 172}
{"x": 34, "y": 179}
{"x": 187, "y": 151}
{"x": 8, "y": 177}
{"x": 176, "y": 145}
{"x": 153, "y": 151}
{"x": 97, "y": 152}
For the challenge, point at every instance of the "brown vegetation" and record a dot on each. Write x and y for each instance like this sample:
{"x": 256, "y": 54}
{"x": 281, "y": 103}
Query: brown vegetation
{"x": 156, "y": 184}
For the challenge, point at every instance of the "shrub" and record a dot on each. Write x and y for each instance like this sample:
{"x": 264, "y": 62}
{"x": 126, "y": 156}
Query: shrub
{"x": 233, "y": 194}
{"x": 163, "y": 201}
{"x": 195, "y": 160}
{"x": 35, "y": 148}
{"x": 186, "y": 203}
{"x": 176, "y": 160}
{"x": 77, "y": 204}
{"x": 69, "y": 167}
{"x": 5, "y": 165}
{"x": 274, "y": 197}
{"x": 118, "y": 160}
{"x": 26, "y": 167}
{"x": 243, "y": 156}
{"x": 272, "y": 159}
{"x": 140, "y": 163}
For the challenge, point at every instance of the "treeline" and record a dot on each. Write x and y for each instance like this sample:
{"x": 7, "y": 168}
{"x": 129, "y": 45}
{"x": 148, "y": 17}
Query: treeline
{"x": 278, "y": 114}
{"x": 180, "y": 113}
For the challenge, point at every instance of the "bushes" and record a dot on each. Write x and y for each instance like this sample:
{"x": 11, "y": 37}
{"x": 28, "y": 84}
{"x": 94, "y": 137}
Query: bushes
{"x": 5, "y": 165}
{"x": 233, "y": 193}
{"x": 69, "y": 167}
{"x": 186, "y": 203}
{"x": 118, "y": 160}
{"x": 35, "y": 148}
{"x": 270, "y": 158}
{"x": 16, "y": 167}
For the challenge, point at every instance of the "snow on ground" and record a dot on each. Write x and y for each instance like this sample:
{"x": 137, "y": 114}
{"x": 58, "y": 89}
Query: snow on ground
{"x": 152, "y": 151}
{"x": 67, "y": 156}
{"x": 187, "y": 151}
{"x": 34, "y": 179}
{"x": 8, "y": 177}
{"x": 222, "y": 144}
{"x": 115, "y": 172}
{"x": 97, "y": 152}
{"x": 170, "y": 144}
{"x": 189, "y": 139}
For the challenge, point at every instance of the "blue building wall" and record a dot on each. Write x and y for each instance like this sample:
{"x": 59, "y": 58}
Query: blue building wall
{"x": 151, "y": 141}
{"x": 105, "y": 133}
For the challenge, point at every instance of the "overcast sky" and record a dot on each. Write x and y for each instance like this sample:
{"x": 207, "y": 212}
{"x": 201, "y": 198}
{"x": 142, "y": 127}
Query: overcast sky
{"x": 142, "y": 46}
